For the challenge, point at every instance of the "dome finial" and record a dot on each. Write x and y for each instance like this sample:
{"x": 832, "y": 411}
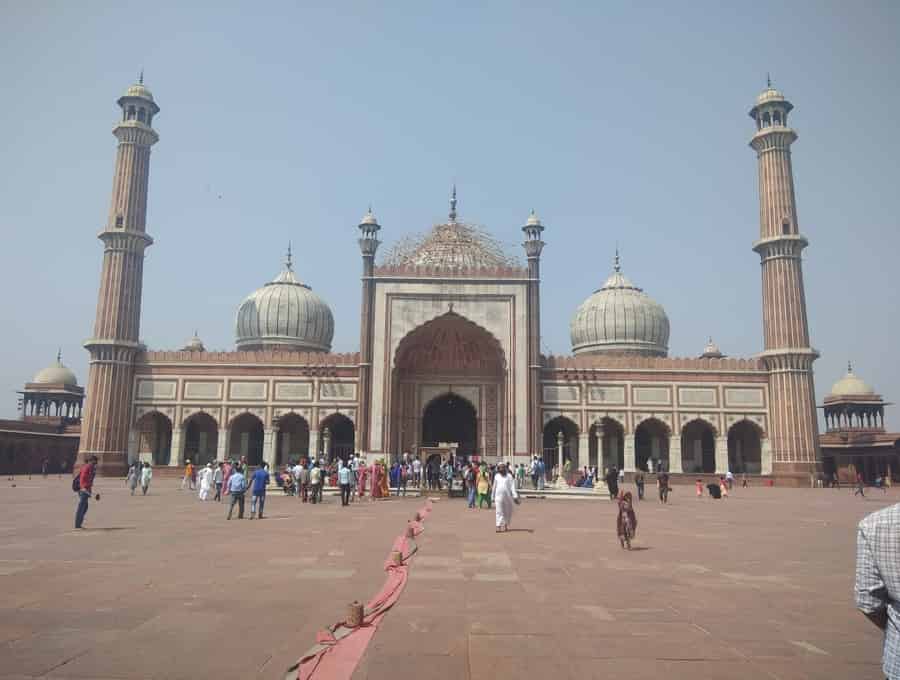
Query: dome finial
{"x": 289, "y": 262}
{"x": 453, "y": 205}
{"x": 59, "y": 355}
{"x": 849, "y": 367}
{"x": 616, "y": 267}
{"x": 141, "y": 77}
{"x": 768, "y": 80}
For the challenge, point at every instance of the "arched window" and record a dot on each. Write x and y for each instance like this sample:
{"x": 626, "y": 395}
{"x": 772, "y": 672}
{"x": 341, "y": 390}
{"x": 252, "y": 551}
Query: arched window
{"x": 130, "y": 113}
{"x": 142, "y": 115}
{"x": 776, "y": 118}
{"x": 767, "y": 120}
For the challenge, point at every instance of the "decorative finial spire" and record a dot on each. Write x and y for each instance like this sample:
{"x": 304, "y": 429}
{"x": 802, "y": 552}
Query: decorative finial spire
{"x": 289, "y": 262}
{"x": 141, "y": 77}
{"x": 768, "y": 80}
{"x": 453, "y": 205}
{"x": 849, "y": 367}
{"x": 59, "y": 355}
{"x": 616, "y": 267}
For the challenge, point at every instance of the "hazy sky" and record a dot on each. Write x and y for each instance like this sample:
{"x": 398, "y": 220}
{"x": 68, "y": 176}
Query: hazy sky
{"x": 614, "y": 122}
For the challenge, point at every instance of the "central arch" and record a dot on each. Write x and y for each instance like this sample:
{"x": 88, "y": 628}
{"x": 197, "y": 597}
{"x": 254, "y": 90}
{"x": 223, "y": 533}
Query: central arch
{"x": 451, "y": 418}
{"x": 449, "y": 385}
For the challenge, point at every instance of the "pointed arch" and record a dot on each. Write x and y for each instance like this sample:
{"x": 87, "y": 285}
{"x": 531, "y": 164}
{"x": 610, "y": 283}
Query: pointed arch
{"x": 292, "y": 443}
{"x": 154, "y": 433}
{"x": 201, "y": 437}
{"x": 745, "y": 439}
{"x": 246, "y": 437}
{"x": 651, "y": 442}
{"x": 698, "y": 446}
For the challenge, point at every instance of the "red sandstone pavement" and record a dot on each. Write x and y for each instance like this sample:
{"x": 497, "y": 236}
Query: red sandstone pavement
{"x": 755, "y": 586}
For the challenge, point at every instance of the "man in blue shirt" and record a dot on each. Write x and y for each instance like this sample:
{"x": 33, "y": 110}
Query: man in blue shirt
{"x": 344, "y": 482}
{"x": 260, "y": 481}
{"x": 237, "y": 486}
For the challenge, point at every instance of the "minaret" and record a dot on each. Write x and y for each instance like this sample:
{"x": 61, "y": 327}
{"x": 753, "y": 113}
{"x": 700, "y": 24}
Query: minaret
{"x": 533, "y": 246}
{"x": 793, "y": 430}
{"x": 368, "y": 245}
{"x": 116, "y": 338}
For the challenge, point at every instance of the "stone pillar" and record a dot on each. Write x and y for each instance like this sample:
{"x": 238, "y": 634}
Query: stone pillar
{"x": 132, "y": 446}
{"x": 222, "y": 445}
{"x": 675, "y": 453}
{"x": 629, "y": 453}
{"x": 533, "y": 247}
{"x": 368, "y": 245}
{"x": 269, "y": 447}
{"x": 175, "y": 454}
{"x": 765, "y": 456}
{"x": 313, "y": 443}
{"x": 721, "y": 455}
{"x": 584, "y": 450}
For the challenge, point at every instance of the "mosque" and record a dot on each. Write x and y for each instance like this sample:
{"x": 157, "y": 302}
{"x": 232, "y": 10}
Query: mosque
{"x": 449, "y": 357}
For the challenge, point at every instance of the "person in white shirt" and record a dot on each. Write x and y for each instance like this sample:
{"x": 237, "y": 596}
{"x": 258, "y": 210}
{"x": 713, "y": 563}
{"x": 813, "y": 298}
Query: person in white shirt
{"x": 315, "y": 483}
{"x": 344, "y": 483}
{"x": 417, "y": 472}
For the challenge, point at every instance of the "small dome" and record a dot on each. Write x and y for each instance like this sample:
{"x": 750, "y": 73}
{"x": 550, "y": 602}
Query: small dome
{"x": 56, "y": 374}
{"x": 850, "y": 385}
{"x": 711, "y": 351}
{"x": 138, "y": 90}
{"x": 284, "y": 314}
{"x": 533, "y": 220}
{"x": 770, "y": 94}
{"x": 620, "y": 318}
{"x": 369, "y": 219}
{"x": 195, "y": 344}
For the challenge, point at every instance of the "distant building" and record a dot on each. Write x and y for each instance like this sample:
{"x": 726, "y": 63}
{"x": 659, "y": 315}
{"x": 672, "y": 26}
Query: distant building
{"x": 450, "y": 335}
{"x": 855, "y": 440}
{"x": 50, "y": 426}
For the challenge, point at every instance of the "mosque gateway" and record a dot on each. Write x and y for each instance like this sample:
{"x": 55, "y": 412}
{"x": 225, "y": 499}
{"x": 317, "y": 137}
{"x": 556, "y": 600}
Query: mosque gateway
{"x": 449, "y": 356}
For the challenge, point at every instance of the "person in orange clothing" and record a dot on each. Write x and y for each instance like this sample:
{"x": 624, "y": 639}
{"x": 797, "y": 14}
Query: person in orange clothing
{"x": 188, "y": 475}
{"x": 699, "y": 488}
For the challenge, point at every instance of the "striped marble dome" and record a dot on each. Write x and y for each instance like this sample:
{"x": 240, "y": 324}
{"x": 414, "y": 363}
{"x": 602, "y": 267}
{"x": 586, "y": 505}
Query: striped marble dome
{"x": 284, "y": 314}
{"x": 620, "y": 318}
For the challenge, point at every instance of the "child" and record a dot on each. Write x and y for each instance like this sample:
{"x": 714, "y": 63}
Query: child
{"x": 699, "y": 488}
{"x": 626, "y": 521}
{"x": 723, "y": 487}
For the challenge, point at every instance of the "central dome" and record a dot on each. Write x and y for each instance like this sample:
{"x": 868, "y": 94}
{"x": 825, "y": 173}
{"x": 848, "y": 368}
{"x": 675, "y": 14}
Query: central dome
{"x": 284, "y": 314}
{"x": 451, "y": 246}
{"x": 620, "y": 318}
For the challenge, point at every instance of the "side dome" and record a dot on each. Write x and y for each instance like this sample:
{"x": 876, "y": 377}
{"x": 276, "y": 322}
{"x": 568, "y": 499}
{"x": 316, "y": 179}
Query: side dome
{"x": 284, "y": 314}
{"x": 55, "y": 374}
{"x": 620, "y": 318}
{"x": 851, "y": 385}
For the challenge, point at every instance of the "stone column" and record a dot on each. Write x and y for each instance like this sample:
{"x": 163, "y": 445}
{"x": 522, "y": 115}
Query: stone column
{"x": 176, "y": 454}
{"x": 721, "y": 455}
{"x": 584, "y": 450}
{"x": 765, "y": 456}
{"x": 560, "y": 471}
{"x": 132, "y": 446}
{"x": 629, "y": 453}
{"x": 269, "y": 447}
{"x": 222, "y": 445}
{"x": 675, "y": 453}
{"x": 313, "y": 443}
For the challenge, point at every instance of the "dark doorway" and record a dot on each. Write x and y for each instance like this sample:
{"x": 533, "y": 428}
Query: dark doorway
{"x": 201, "y": 439}
{"x": 451, "y": 418}
{"x": 246, "y": 439}
{"x": 342, "y": 434}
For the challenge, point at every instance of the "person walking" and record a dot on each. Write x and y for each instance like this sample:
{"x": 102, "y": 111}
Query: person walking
{"x": 723, "y": 486}
{"x": 484, "y": 487}
{"x": 504, "y": 495}
{"x": 344, "y": 483}
{"x": 639, "y": 483}
{"x": 85, "y": 489}
{"x": 469, "y": 477}
{"x": 134, "y": 476}
{"x": 295, "y": 473}
{"x": 146, "y": 476}
{"x": 303, "y": 483}
{"x": 260, "y": 480}
{"x": 218, "y": 480}
{"x": 612, "y": 483}
{"x": 237, "y": 486}
{"x": 878, "y": 580}
{"x": 315, "y": 483}
{"x": 860, "y": 486}
{"x": 662, "y": 480}
{"x": 206, "y": 482}
{"x": 188, "y": 478}
{"x": 626, "y": 521}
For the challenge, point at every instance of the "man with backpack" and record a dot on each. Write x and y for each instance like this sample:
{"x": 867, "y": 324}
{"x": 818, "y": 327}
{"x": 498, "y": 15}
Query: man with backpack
{"x": 83, "y": 484}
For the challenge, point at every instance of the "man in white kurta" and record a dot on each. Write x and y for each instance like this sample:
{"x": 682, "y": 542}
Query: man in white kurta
{"x": 504, "y": 494}
{"x": 206, "y": 476}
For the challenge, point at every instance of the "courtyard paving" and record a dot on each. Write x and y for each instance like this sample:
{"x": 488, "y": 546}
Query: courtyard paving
{"x": 755, "y": 586}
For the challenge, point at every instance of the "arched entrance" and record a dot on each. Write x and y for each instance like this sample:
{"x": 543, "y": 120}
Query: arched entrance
{"x": 745, "y": 448}
{"x": 293, "y": 439}
{"x": 551, "y": 443}
{"x": 340, "y": 440}
{"x": 651, "y": 442}
{"x": 450, "y": 418}
{"x": 155, "y": 437}
{"x": 448, "y": 385}
{"x": 246, "y": 439}
{"x": 698, "y": 447}
{"x": 608, "y": 448}
{"x": 201, "y": 438}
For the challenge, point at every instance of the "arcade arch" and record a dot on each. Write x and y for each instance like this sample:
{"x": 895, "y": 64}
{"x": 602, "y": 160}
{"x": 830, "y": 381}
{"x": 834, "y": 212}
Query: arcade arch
{"x": 651, "y": 442}
{"x": 201, "y": 438}
{"x": 293, "y": 439}
{"x": 551, "y": 442}
{"x": 340, "y": 440}
{"x": 608, "y": 448}
{"x": 245, "y": 439}
{"x": 745, "y": 448}
{"x": 698, "y": 447}
{"x": 155, "y": 437}
{"x": 451, "y": 418}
